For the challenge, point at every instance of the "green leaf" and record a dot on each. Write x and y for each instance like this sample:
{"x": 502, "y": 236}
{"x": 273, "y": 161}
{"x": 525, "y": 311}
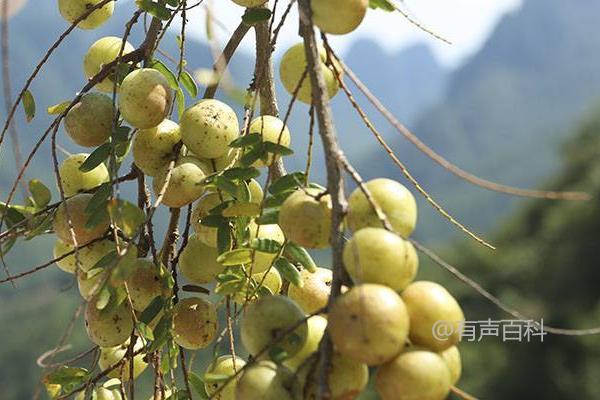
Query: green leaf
{"x": 268, "y": 217}
{"x": 246, "y": 140}
{"x": 28, "y": 105}
{"x": 166, "y": 72}
{"x": 277, "y": 200}
{"x": 189, "y": 83}
{"x": 145, "y": 331}
{"x": 180, "y": 98}
{"x": 300, "y": 255}
{"x": 99, "y": 199}
{"x": 287, "y": 182}
{"x": 126, "y": 216}
{"x": 215, "y": 378}
{"x": 97, "y": 157}
{"x": 59, "y": 108}
{"x": 266, "y": 246}
{"x": 256, "y": 153}
{"x": 40, "y": 225}
{"x": 242, "y": 209}
{"x": 152, "y": 310}
{"x": 289, "y": 272}
{"x": 105, "y": 261}
{"x": 155, "y": 9}
{"x": 226, "y": 185}
{"x": 96, "y": 218}
{"x": 121, "y": 134}
{"x": 277, "y": 149}
{"x": 197, "y": 384}
{"x": 241, "y": 173}
{"x": 66, "y": 376}
{"x": 162, "y": 333}
{"x": 213, "y": 221}
{"x": 255, "y": 15}
{"x": 277, "y": 354}
{"x": 40, "y": 193}
{"x": 124, "y": 267}
{"x": 235, "y": 257}
{"x": 385, "y": 5}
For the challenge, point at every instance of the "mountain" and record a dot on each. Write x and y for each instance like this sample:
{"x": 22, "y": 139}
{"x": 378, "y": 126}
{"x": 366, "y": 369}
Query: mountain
{"x": 504, "y": 112}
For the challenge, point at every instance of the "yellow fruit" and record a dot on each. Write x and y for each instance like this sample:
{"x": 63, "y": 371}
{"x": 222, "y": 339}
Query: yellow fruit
{"x": 269, "y": 317}
{"x": 72, "y": 10}
{"x": 145, "y": 98}
{"x": 429, "y": 305}
{"x": 89, "y": 123}
{"x": 393, "y": 198}
{"x": 153, "y": 148}
{"x": 102, "y": 52}
{"x": 314, "y": 294}
{"x": 316, "y": 328}
{"x": 369, "y": 323}
{"x": 305, "y": 220}
{"x": 110, "y": 356}
{"x": 74, "y": 180}
{"x": 453, "y": 360}
{"x": 109, "y": 327}
{"x": 144, "y": 284}
{"x": 374, "y": 255}
{"x": 256, "y": 192}
{"x": 291, "y": 70}
{"x": 262, "y": 261}
{"x": 90, "y": 282}
{"x": 272, "y": 280}
{"x": 88, "y": 255}
{"x": 76, "y": 206}
{"x": 338, "y": 16}
{"x": 185, "y": 184}
{"x": 264, "y": 380}
{"x": 206, "y": 234}
{"x": 223, "y": 365}
{"x": 194, "y": 323}
{"x": 224, "y": 162}
{"x": 273, "y": 130}
{"x": 208, "y": 127}
{"x": 414, "y": 374}
{"x": 198, "y": 262}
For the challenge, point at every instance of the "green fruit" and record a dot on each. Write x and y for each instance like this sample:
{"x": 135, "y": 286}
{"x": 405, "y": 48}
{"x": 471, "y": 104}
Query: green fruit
{"x": 102, "y": 52}
{"x": 76, "y": 206}
{"x": 223, "y": 365}
{"x": 314, "y": 294}
{"x": 374, "y": 255}
{"x": 266, "y": 381}
{"x": 224, "y": 162}
{"x": 72, "y": 10}
{"x": 338, "y": 16}
{"x": 273, "y": 130}
{"x": 145, "y": 98}
{"x": 347, "y": 379}
{"x": 108, "y": 327}
{"x": 305, "y": 220}
{"x": 144, "y": 284}
{"x": 393, "y": 198}
{"x": 269, "y": 317}
{"x": 414, "y": 374}
{"x": 369, "y": 323}
{"x": 208, "y": 127}
{"x": 262, "y": 261}
{"x": 250, "y": 3}
{"x": 89, "y": 123}
{"x": 185, "y": 184}
{"x": 90, "y": 282}
{"x": 316, "y": 329}
{"x": 430, "y": 304}
{"x": 206, "y": 234}
{"x": 198, "y": 262}
{"x": 249, "y": 293}
{"x": 292, "y": 67}
{"x": 111, "y": 356}
{"x": 452, "y": 358}
{"x": 88, "y": 255}
{"x": 153, "y": 148}
{"x": 194, "y": 323}
{"x": 73, "y": 180}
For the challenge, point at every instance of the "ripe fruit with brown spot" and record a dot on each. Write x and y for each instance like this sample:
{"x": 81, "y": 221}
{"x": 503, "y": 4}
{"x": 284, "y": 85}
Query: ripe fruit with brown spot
{"x": 198, "y": 262}
{"x": 194, "y": 323}
{"x": 305, "y": 218}
{"x": 313, "y": 295}
{"x": 73, "y": 180}
{"x": 72, "y": 10}
{"x": 264, "y": 380}
{"x": 374, "y": 255}
{"x": 272, "y": 130}
{"x": 338, "y": 17}
{"x": 270, "y": 318}
{"x": 414, "y": 374}
{"x": 393, "y": 198}
{"x": 153, "y": 148}
{"x": 144, "y": 284}
{"x": 369, "y": 323}
{"x": 109, "y": 327}
{"x": 208, "y": 127}
{"x": 185, "y": 182}
{"x": 76, "y": 206}
{"x": 291, "y": 70}
{"x": 102, "y": 52}
{"x": 223, "y": 366}
{"x": 89, "y": 123}
{"x": 145, "y": 98}
{"x": 428, "y": 303}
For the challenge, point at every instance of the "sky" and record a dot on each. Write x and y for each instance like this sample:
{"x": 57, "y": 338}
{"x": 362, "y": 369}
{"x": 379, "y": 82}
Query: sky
{"x": 466, "y": 23}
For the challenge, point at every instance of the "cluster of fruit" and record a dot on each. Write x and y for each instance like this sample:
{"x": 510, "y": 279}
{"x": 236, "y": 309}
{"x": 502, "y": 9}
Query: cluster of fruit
{"x": 245, "y": 242}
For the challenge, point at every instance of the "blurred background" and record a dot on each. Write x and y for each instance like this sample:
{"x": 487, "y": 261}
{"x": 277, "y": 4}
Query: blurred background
{"x": 515, "y": 99}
